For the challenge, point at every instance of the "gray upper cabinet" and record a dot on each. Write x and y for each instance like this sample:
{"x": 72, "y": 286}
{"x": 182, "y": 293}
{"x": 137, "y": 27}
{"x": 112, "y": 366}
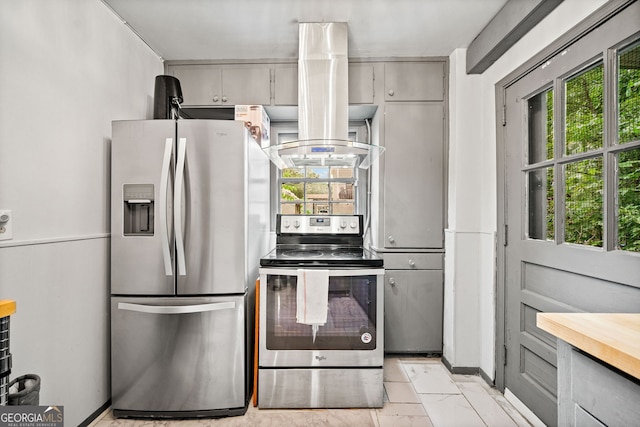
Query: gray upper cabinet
{"x": 414, "y": 81}
{"x": 215, "y": 85}
{"x": 285, "y": 90}
{"x": 361, "y": 84}
{"x": 361, "y": 89}
{"x": 414, "y": 175}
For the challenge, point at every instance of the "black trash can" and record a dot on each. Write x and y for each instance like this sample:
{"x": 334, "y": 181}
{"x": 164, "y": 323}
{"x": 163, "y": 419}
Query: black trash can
{"x": 25, "y": 390}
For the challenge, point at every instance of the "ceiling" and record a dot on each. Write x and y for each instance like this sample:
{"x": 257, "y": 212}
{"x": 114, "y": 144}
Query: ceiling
{"x": 268, "y": 29}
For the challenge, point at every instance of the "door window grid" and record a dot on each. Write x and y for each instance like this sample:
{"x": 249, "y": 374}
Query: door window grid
{"x": 588, "y": 176}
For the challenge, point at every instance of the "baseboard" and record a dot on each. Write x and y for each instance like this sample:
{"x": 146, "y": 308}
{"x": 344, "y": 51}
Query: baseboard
{"x": 95, "y": 414}
{"x": 460, "y": 370}
{"x": 487, "y": 378}
{"x": 523, "y": 409}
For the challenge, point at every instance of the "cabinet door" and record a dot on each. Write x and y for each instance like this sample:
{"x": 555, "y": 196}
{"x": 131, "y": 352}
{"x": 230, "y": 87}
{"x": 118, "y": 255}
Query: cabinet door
{"x": 250, "y": 85}
{"x": 285, "y": 90}
{"x": 414, "y": 81}
{"x": 414, "y": 175}
{"x": 361, "y": 84}
{"x": 201, "y": 84}
{"x": 413, "y": 305}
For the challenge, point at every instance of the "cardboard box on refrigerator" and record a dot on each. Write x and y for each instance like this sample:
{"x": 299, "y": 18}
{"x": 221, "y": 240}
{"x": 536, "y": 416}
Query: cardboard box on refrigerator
{"x": 255, "y": 118}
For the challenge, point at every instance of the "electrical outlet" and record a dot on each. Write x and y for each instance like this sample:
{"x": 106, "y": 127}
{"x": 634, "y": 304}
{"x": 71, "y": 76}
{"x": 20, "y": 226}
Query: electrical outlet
{"x": 6, "y": 225}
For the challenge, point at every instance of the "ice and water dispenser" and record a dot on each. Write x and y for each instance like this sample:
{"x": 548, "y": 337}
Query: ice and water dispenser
{"x": 138, "y": 201}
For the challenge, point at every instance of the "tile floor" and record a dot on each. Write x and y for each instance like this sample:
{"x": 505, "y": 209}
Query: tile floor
{"x": 418, "y": 392}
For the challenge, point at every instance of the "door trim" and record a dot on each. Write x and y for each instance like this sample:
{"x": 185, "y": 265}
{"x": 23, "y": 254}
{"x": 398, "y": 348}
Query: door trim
{"x": 604, "y": 13}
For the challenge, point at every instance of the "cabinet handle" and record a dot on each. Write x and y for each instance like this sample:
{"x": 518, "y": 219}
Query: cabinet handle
{"x": 391, "y": 239}
{"x": 392, "y": 281}
{"x": 216, "y": 98}
{"x": 224, "y": 99}
{"x": 412, "y": 263}
{"x": 391, "y": 92}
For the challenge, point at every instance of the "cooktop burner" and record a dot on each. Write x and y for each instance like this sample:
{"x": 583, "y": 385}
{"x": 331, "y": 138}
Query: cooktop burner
{"x": 301, "y": 254}
{"x": 330, "y": 256}
{"x": 347, "y": 254}
{"x": 320, "y": 241}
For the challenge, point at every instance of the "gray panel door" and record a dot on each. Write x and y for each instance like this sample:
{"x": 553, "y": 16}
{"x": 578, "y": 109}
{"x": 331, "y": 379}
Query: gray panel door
{"x": 213, "y": 209}
{"x": 413, "y": 175}
{"x": 554, "y": 192}
{"x": 142, "y": 255}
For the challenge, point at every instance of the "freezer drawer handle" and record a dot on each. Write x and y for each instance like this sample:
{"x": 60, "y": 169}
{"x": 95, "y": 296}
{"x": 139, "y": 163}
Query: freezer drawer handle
{"x": 177, "y": 206}
{"x": 162, "y": 210}
{"x": 176, "y": 309}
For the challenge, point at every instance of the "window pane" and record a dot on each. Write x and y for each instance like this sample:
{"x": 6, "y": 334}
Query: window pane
{"x": 341, "y": 173}
{"x": 541, "y": 127}
{"x": 541, "y": 204}
{"x": 629, "y": 95}
{"x": 291, "y": 208}
{"x": 583, "y": 204}
{"x": 583, "y": 111}
{"x": 342, "y": 208}
{"x": 291, "y": 191}
{"x": 318, "y": 173}
{"x": 293, "y": 173}
{"x": 629, "y": 200}
{"x": 318, "y": 198}
{"x": 341, "y": 191}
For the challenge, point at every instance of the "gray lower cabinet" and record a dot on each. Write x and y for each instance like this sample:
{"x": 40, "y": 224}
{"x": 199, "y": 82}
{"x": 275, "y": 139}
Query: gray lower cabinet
{"x": 592, "y": 393}
{"x": 413, "y": 300}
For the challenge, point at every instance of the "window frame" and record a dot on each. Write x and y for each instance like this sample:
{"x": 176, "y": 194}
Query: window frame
{"x": 611, "y": 148}
{"x": 360, "y": 180}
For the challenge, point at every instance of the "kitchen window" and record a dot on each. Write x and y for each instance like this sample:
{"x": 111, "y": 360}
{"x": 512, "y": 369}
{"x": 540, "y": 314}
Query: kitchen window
{"x": 313, "y": 190}
{"x": 582, "y": 177}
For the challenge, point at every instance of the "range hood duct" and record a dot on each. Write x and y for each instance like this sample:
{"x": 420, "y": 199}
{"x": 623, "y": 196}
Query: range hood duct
{"x": 323, "y": 81}
{"x": 323, "y": 104}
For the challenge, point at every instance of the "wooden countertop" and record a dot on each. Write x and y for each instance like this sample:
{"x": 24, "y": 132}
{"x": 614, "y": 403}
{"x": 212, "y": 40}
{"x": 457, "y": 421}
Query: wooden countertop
{"x": 611, "y": 337}
{"x": 7, "y": 307}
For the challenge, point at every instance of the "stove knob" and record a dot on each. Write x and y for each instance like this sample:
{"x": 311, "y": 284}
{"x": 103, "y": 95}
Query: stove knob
{"x": 286, "y": 224}
{"x": 343, "y": 224}
{"x": 354, "y": 224}
{"x": 296, "y": 223}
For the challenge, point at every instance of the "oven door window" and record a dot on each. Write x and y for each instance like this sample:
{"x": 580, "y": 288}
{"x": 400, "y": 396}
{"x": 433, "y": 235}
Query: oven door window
{"x": 351, "y": 316}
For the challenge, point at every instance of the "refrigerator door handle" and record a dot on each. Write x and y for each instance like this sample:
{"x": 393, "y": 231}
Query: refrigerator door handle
{"x": 176, "y": 309}
{"x": 177, "y": 206}
{"x": 162, "y": 207}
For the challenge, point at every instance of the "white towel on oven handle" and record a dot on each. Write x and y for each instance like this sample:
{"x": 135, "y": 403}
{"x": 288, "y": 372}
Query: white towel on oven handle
{"x": 312, "y": 297}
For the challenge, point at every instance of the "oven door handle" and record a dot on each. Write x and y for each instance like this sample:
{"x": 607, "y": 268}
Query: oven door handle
{"x": 176, "y": 309}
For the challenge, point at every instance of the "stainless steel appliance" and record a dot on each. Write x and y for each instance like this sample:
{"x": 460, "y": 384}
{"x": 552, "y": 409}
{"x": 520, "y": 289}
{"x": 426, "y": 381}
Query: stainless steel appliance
{"x": 337, "y": 363}
{"x": 189, "y": 222}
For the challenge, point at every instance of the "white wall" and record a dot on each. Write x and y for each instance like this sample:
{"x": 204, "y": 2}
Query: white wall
{"x": 67, "y": 68}
{"x": 470, "y": 285}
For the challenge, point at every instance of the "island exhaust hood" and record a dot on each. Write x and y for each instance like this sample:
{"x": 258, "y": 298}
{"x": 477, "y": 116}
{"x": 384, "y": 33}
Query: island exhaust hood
{"x": 323, "y": 104}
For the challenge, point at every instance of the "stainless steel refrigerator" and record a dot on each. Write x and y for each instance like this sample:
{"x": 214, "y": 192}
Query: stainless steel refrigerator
{"x": 189, "y": 222}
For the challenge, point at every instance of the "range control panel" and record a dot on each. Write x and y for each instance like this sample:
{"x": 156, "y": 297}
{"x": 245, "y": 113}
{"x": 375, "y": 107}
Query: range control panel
{"x": 321, "y": 224}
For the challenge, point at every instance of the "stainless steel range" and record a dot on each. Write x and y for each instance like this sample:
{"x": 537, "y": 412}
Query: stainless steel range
{"x": 321, "y": 316}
